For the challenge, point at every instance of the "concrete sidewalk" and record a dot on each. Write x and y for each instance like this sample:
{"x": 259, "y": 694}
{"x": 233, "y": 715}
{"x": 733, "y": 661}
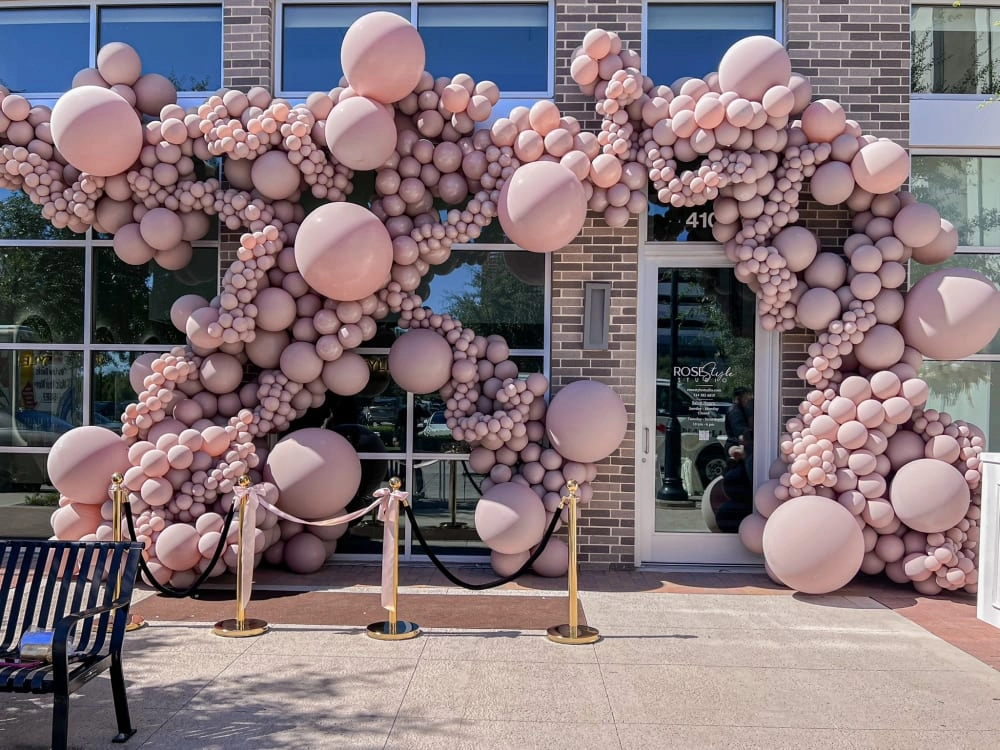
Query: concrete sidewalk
{"x": 672, "y": 670}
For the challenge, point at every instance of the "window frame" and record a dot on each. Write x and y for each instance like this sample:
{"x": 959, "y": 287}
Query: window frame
{"x": 947, "y": 96}
{"x": 295, "y": 95}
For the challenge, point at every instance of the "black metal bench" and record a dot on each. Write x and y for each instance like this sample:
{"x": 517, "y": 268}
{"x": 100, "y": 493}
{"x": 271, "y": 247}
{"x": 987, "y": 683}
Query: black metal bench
{"x": 81, "y": 591}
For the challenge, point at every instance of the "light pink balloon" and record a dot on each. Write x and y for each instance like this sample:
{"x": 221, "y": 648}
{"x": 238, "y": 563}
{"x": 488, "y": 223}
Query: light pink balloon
{"x": 510, "y": 518}
{"x": 360, "y": 133}
{"x": 182, "y": 308}
{"x": 382, "y": 56}
{"x": 343, "y": 251}
{"x": 505, "y": 565}
{"x": 97, "y": 130}
{"x": 951, "y": 313}
{"x": 420, "y": 361}
{"x": 153, "y": 92}
{"x": 177, "y": 547}
{"x": 266, "y": 348}
{"x": 881, "y": 167}
{"x": 75, "y": 520}
{"x": 82, "y": 461}
{"x": 939, "y": 249}
{"x": 798, "y": 246}
{"x": 140, "y": 370}
{"x": 274, "y": 176}
{"x": 832, "y": 183}
{"x": 917, "y": 224}
{"x": 881, "y": 348}
{"x": 161, "y": 228}
{"x": 752, "y": 533}
{"x": 542, "y": 206}
{"x": 823, "y": 121}
{"x": 817, "y": 308}
{"x": 118, "y": 62}
{"x": 300, "y": 362}
{"x": 586, "y": 421}
{"x": 813, "y": 544}
{"x": 316, "y": 471}
{"x": 929, "y": 495}
{"x": 304, "y": 553}
{"x": 753, "y": 65}
{"x": 221, "y": 373}
{"x": 131, "y": 247}
{"x": 554, "y": 560}
{"x": 346, "y": 376}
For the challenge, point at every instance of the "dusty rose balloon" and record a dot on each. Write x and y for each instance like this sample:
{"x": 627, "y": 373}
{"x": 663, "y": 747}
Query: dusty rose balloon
{"x": 304, "y": 553}
{"x": 554, "y": 560}
{"x": 798, "y": 246}
{"x": 221, "y": 373}
{"x": 752, "y": 533}
{"x": 881, "y": 167}
{"x": 382, "y": 56}
{"x": 153, "y": 92}
{"x": 753, "y": 65}
{"x": 361, "y": 133}
{"x": 827, "y": 271}
{"x": 74, "y": 520}
{"x": 542, "y": 206}
{"x": 316, "y": 471}
{"x": 510, "y": 518}
{"x": 131, "y": 247}
{"x": 274, "y": 176}
{"x": 420, "y": 361}
{"x": 881, "y": 348}
{"x": 917, "y": 224}
{"x": 586, "y": 421}
{"x": 140, "y": 369}
{"x": 939, "y": 249}
{"x": 951, "y": 313}
{"x": 823, "y": 121}
{"x": 813, "y": 544}
{"x": 161, "y": 228}
{"x": 177, "y": 547}
{"x": 82, "y": 461}
{"x": 96, "y": 130}
{"x": 348, "y": 375}
{"x": 117, "y": 62}
{"x": 300, "y": 362}
{"x": 929, "y": 495}
{"x": 832, "y": 183}
{"x": 505, "y": 565}
{"x": 266, "y": 348}
{"x": 343, "y": 251}
{"x": 182, "y": 308}
{"x": 817, "y": 308}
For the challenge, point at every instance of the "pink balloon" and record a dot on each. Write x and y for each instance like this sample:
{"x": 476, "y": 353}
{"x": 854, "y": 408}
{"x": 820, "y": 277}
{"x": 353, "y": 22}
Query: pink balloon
{"x": 420, "y": 361}
{"x": 510, "y": 518}
{"x": 266, "y": 348}
{"x": 140, "y": 370}
{"x": 75, "y": 520}
{"x": 798, "y": 246}
{"x": 153, "y": 92}
{"x": 939, "y": 249}
{"x": 360, "y": 133}
{"x": 881, "y": 348}
{"x": 832, "y": 183}
{"x": 316, "y": 471}
{"x": 813, "y": 544}
{"x": 823, "y": 121}
{"x": 929, "y": 495}
{"x": 753, "y": 65}
{"x": 347, "y": 375}
{"x": 542, "y": 206}
{"x": 304, "y": 553}
{"x": 274, "y": 176}
{"x": 586, "y": 421}
{"x": 881, "y": 167}
{"x": 97, "y": 130}
{"x": 83, "y": 460}
{"x": 951, "y": 313}
{"x": 817, "y": 308}
{"x": 221, "y": 373}
{"x": 182, "y": 308}
{"x": 917, "y": 224}
{"x": 117, "y": 62}
{"x": 554, "y": 560}
{"x": 177, "y": 547}
{"x": 343, "y": 251}
{"x": 300, "y": 362}
{"x": 382, "y": 56}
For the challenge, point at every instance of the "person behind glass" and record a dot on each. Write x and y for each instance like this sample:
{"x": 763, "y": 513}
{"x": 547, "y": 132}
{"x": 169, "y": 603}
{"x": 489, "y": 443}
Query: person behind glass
{"x": 401, "y": 426}
{"x": 737, "y": 481}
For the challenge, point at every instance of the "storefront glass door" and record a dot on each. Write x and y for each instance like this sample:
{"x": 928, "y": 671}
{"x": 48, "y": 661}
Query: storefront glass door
{"x": 704, "y": 408}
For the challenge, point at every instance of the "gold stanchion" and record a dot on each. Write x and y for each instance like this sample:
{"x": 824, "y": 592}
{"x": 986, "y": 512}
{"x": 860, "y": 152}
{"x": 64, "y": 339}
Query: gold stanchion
{"x": 572, "y": 633}
{"x": 117, "y": 515}
{"x": 241, "y": 627}
{"x": 393, "y": 629}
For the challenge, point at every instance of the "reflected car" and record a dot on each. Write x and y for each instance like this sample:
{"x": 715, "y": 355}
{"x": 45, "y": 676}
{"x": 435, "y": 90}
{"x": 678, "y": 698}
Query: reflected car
{"x": 436, "y": 428}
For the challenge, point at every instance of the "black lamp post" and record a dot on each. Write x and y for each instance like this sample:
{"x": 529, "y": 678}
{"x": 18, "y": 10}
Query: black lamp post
{"x": 673, "y": 488}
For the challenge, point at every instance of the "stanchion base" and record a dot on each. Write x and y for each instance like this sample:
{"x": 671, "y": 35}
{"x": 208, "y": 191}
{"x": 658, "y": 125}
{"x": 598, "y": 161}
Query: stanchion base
{"x": 232, "y": 629}
{"x": 385, "y": 631}
{"x": 135, "y": 622}
{"x": 573, "y": 636}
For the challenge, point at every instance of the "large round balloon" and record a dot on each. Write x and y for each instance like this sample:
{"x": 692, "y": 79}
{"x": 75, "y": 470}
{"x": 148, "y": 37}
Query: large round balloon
{"x": 316, "y": 472}
{"x": 83, "y": 460}
{"x": 929, "y": 495}
{"x": 813, "y": 544}
{"x": 510, "y": 518}
{"x": 420, "y": 361}
{"x": 542, "y": 206}
{"x": 586, "y": 421}
{"x": 753, "y": 65}
{"x": 343, "y": 251}
{"x": 361, "y": 133}
{"x": 97, "y": 130}
{"x": 382, "y": 56}
{"x": 951, "y": 313}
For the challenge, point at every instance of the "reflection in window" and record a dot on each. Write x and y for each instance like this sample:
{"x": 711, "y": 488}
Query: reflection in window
{"x": 61, "y": 34}
{"x": 492, "y": 292}
{"x": 158, "y": 33}
{"x": 47, "y": 307}
{"x": 504, "y": 43}
{"x": 311, "y": 39}
{"x": 666, "y": 223}
{"x": 41, "y": 396}
{"x": 110, "y": 388}
{"x": 20, "y": 219}
{"x": 966, "y": 190}
{"x": 955, "y": 50}
{"x": 132, "y": 303}
{"x": 690, "y": 39}
{"x": 967, "y": 390}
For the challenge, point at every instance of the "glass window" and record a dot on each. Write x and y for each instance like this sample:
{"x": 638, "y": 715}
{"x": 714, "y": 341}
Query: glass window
{"x": 504, "y": 43}
{"x": 132, "y": 303}
{"x": 666, "y": 223}
{"x": 492, "y": 292}
{"x": 965, "y": 190}
{"x": 184, "y": 43}
{"x": 110, "y": 388}
{"x": 40, "y": 396}
{"x": 956, "y": 49}
{"x": 20, "y": 219}
{"x": 967, "y": 390}
{"x": 690, "y": 39}
{"x": 311, "y": 39}
{"x": 46, "y": 307}
{"x": 63, "y": 34}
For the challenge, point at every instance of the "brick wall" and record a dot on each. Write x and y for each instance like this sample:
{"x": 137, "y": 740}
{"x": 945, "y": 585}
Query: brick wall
{"x": 248, "y": 43}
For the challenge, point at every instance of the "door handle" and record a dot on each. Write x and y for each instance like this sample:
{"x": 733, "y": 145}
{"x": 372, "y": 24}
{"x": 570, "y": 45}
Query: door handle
{"x": 645, "y": 440}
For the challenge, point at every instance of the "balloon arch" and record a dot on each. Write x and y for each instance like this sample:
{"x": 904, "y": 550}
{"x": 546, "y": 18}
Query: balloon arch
{"x": 868, "y": 479}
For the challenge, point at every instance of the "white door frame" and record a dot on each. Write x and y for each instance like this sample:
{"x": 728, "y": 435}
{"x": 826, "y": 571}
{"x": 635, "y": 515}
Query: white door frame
{"x": 988, "y": 600}
{"x": 692, "y": 548}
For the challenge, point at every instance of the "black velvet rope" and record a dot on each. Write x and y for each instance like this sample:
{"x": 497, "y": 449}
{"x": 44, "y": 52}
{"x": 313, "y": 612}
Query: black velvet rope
{"x": 480, "y": 586}
{"x": 171, "y": 591}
